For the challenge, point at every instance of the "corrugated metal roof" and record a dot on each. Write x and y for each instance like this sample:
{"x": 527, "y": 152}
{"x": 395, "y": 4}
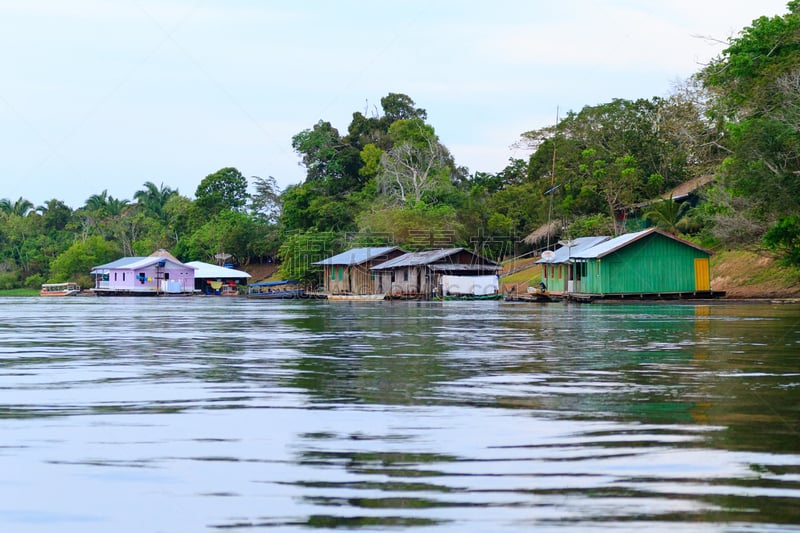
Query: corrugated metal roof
{"x": 356, "y": 256}
{"x": 610, "y": 246}
{"x": 207, "y": 270}
{"x": 428, "y": 257}
{"x": 133, "y": 263}
{"x": 460, "y": 267}
{"x": 418, "y": 258}
{"x": 125, "y": 262}
{"x": 565, "y": 253}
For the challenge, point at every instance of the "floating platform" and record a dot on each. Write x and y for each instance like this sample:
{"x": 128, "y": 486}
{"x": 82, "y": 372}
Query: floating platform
{"x": 652, "y": 296}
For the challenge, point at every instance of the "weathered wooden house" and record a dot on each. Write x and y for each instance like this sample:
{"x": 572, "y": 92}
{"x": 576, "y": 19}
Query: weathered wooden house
{"x": 350, "y": 272}
{"x": 156, "y": 274}
{"x": 421, "y": 274}
{"x": 648, "y": 263}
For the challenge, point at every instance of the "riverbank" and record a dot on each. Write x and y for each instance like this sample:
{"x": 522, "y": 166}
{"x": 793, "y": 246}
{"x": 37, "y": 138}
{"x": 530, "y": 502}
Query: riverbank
{"x": 745, "y": 274}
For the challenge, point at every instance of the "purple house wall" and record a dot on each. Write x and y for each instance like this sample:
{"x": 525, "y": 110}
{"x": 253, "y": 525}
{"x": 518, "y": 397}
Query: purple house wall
{"x": 150, "y": 275}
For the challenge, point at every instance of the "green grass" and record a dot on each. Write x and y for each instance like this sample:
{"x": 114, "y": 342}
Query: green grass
{"x": 19, "y": 292}
{"x": 754, "y": 273}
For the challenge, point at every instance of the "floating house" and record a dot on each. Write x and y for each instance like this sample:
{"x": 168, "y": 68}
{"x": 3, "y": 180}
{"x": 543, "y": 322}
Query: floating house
{"x": 648, "y": 263}
{"x": 558, "y": 267}
{"x": 156, "y": 274}
{"x": 432, "y": 273}
{"x": 217, "y": 280}
{"x": 349, "y": 273}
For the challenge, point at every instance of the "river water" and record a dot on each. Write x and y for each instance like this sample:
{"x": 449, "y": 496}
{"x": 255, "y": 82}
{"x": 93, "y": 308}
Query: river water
{"x": 227, "y": 414}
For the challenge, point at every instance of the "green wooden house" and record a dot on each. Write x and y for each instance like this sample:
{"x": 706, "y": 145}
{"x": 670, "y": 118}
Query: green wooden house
{"x": 649, "y": 262}
{"x": 645, "y": 264}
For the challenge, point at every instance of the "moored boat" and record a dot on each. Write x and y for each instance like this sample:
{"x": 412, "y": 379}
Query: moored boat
{"x": 275, "y": 290}
{"x": 60, "y": 289}
{"x": 493, "y": 296}
{"x": 356, "y": 297}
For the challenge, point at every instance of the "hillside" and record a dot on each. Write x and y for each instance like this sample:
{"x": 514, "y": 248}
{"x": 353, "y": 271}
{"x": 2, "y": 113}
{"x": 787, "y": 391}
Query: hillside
{"x": 751, "y": 274}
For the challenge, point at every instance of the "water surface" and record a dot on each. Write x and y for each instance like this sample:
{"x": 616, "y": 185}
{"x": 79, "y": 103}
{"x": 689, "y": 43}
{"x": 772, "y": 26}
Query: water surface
{"x": 203, "y": 414}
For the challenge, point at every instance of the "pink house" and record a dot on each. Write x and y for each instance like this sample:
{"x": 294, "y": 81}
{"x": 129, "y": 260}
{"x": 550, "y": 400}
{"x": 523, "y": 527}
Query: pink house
{"x": 153, "y": 275}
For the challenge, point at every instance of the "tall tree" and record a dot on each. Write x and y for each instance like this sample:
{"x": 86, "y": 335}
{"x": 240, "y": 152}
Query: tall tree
{"x": 265, "y": 202}
{"x": 153, "y": 199}
{"x": 224, "y": 190}
{"x": 415, "y": 164}
{"x": 20, "y": 207}
{"x": 755, "y": 85}
{"x": 398, "y": 106}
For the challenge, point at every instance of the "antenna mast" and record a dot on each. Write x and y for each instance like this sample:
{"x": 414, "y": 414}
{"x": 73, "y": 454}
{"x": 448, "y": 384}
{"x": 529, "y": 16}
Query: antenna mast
{"x": 552, "y": 182}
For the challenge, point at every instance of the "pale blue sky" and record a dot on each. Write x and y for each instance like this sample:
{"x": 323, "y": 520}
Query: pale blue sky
{"x": 109, "y": 94}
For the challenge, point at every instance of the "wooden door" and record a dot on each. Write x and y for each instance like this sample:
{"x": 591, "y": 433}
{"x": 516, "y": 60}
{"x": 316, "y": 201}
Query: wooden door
{"x": 702, "y": 275}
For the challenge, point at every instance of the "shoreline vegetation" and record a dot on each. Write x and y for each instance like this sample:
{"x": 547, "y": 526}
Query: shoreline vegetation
{"x": 744, "y": 275}
{"x": 716, "y": 162}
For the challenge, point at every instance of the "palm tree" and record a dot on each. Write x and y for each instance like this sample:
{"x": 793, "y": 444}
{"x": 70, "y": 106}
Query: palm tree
{"x": 115, "y": 206}
{"x": 106, "y": 204}
{"x": 153, "y": 198}
{"x": 667, "y": 214}
{"x": 96, "y": 202}
{"x": 21, "y": 207}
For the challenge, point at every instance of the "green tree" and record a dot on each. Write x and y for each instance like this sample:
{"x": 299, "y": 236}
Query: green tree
{"x": 224, "y": 190}
{"x": 667, "y": 214}
{"x": 105, "y": 205}
{"x": 56, "y": 215}
{"x": 75, "y": 263}
{"x": 414, "y": 227}
{"x": 616, "y": 182}
{"x": 152, "y": 199}
{"x": 265, "y": 202}
{"x": 319, "y": 148}
{"x": 416, "y": 164}
{"x": 784, "y": 237}
{"x": 229, "y": 232}
{"x": 756, "y": 93}
{"x": 301, "y": 249}
{"x": 398, "y": 106}
{"x": 21, "y": 207}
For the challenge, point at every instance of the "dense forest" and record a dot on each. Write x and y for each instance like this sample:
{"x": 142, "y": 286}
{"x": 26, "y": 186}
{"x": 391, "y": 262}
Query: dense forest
{"x": 389, "y": 179}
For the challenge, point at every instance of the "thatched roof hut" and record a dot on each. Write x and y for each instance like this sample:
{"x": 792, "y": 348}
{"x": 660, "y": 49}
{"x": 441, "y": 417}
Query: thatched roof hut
{"x": 550, "y": 231}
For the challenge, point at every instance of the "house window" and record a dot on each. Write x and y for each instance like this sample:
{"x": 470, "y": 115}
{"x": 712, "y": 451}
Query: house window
{"x": 123, "y": 276}
{"x": 333, "y": 273}
{"x": 341, "y": 273}
{"x": 115, "y": 276}
{"x": 392, "y": 276}
{"x": 405, "y": 275}
{"x": 166, "y": 275}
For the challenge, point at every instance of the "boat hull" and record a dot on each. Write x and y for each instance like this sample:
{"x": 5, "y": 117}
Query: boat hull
{"x": 356, "y": 297}
{"x": 60, "y": 289}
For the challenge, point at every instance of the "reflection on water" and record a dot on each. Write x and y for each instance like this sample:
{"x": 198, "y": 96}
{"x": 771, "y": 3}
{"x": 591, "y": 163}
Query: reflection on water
{"x": 194, "y": 413}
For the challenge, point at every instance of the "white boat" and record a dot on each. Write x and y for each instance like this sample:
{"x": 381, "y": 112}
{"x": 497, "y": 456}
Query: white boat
{"x": 357, "y": 297}
{"x": 60, "y": 289}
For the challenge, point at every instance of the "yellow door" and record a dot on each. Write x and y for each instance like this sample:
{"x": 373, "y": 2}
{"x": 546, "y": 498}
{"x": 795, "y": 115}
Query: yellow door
{"x": 702, "y": 276}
